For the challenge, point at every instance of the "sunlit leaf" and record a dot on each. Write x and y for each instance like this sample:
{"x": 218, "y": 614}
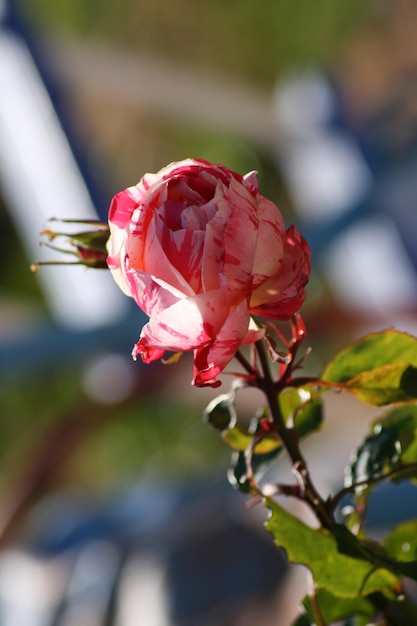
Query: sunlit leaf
{"x": 304, "y": 408}
{"x": 385, "y": 385}
{"x": 379, "y": 369}
{"x": 374, "y": 350}
{"x": 401, "y": 543}
{"x": 239, "y": 440}
{"x": 343, "y": 575}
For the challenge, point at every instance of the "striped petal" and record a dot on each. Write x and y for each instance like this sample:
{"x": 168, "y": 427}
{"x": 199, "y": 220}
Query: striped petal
{"x": 188, "y": 324}
{"x": 213, "y": 253}
{"x": 155, "y": 258}
{"x": 184, "y": 250}
{"x": 210, "y": 360}
{"x": 240, "y": 241}
{"x": 282, "y": 295}
{"x": 122, "y": 207}
{"x": 270, "y": 242}
{"x": 151, "y": 294}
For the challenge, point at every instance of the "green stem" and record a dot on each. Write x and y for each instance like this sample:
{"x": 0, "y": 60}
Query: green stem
{"x": 289, "y": 441}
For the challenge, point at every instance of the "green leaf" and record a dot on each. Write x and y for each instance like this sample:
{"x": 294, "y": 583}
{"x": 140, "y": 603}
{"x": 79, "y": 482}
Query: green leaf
{"x": 333, "y": 608}
{"x": 380, "y": 368}
{"x": 343, "y": 575}
{"x": 374, "y": 350}
{"x": 304, "y": 408}
{"x": 398, "y": 610}
{"x": 392, "y": 445}
{"x": 240, "y": 440}
{"x": 401, "y": 543}
{"x": 220, "y": 412}
{"x": 372, "y": 550}
{"x": 385, "y": 385}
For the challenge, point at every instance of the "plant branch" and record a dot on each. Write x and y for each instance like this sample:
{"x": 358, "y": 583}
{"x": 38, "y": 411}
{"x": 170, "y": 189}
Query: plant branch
{"x": 289, "y": 440}
{"x": 246, "y": 365}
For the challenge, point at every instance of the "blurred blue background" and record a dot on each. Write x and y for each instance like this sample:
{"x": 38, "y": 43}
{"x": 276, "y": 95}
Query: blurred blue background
{"x": 114, "y": 506}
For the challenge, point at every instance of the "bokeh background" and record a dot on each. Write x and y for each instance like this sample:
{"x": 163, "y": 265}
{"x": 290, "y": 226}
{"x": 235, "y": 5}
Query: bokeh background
{"x": 106, "y": 465}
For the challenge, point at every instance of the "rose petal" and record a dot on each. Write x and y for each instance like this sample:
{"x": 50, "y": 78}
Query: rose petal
{"x": 120, "y": 213}
{"x": 155, "y": 259}
{"x": 282, "y": 295}
{"x": 197, "y": 217}
{"x": 213, "y": 253}
{"x": 270, "y": 243}
{"x": 240, "y": 241}
{"x": 119, "y": 277}
{"x": 186, "y": 325}
{"x": 147, "y": 354}
{"x": 122, "y": 207}
{"x": 254, "y": 333}
{"x": 210, "y": 360}
{"x": 184, "y": 251}
{"x": 152, "y": 294}
{"x": 251, "y": 181}
{"x": 135, "y": 236}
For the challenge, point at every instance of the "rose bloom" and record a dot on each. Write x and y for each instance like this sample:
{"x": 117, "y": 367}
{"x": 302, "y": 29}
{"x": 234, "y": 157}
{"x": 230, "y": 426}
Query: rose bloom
{"x": 201, "y": 251}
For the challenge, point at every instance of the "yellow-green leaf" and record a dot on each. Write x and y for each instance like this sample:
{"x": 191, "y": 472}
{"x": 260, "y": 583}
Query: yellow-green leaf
{"x": 343, "y": 575}
{"x": 401, "y": 543}
{"x": 379, "y": 369}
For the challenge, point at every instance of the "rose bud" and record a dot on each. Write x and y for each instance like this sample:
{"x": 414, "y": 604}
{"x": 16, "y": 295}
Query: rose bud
{"x": 87, "y": 247}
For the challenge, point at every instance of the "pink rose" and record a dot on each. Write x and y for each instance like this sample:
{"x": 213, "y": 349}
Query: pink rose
{"x": 200, "y": 250}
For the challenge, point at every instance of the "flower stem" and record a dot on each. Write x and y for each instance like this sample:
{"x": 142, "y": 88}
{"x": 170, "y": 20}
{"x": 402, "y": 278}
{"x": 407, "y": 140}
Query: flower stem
{"x": 288, "y": 436}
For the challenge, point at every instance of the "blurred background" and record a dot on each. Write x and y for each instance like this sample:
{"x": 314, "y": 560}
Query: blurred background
{"x": 114, "y": 505}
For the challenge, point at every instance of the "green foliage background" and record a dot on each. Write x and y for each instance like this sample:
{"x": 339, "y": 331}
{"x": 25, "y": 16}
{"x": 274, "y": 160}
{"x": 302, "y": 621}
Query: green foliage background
{"x": 239, "y": 37}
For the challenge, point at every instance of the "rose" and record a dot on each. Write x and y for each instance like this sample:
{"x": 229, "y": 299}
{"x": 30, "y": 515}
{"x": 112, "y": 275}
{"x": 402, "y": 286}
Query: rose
{"x": 200, "y": 251}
